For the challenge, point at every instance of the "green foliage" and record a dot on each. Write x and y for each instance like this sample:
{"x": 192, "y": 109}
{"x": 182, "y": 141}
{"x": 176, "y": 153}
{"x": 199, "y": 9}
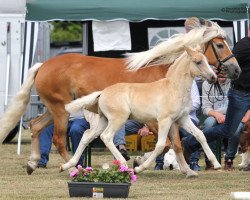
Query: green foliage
{"x": 116, "y": 174}
{"x": 66, "y": 31}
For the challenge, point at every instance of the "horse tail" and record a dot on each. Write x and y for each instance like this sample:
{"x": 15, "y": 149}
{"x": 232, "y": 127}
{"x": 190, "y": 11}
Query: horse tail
{"x": 83, "y": 102}
{"x": 18, "y": 104}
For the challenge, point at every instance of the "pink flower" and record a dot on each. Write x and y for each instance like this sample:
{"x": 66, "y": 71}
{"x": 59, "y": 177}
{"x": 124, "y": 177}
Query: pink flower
{"x": 89, "y": 168}
{"x": 79, "y": 167}
{"x": 123, "y": 168}
{"x": 133, "y": 178}
{"x": 117, "y": 162}
{"x": 74, "y": 173}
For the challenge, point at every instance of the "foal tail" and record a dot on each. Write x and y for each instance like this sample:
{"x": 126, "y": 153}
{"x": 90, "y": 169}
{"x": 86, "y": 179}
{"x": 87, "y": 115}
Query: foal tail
{"x": 18, "y": 104}
{"x": 83, "y": 102}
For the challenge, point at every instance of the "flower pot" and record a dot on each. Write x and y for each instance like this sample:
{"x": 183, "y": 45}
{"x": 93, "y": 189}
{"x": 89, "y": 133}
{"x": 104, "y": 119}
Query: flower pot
{"x": 99, "y": 190}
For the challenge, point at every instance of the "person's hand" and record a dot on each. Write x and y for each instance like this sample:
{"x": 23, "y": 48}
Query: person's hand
{"x": 220, "y": 118}
{"x": 144, "y": 131}
{"x": 246, "y": 118}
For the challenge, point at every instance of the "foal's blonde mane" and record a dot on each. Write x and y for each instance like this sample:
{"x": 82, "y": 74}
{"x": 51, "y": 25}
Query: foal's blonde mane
{"x": 167, "y": 51}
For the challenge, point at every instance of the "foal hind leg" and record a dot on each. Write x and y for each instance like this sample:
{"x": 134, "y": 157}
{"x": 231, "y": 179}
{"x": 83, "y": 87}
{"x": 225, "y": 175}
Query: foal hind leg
{"x": 164, "y": 126}
{"x": 188, "y": 125}
{"x": 36, "y": 127}
{"x": 176, "y": 141}
{"x": 108, "y": 135}
{"x": 88, "y": 136}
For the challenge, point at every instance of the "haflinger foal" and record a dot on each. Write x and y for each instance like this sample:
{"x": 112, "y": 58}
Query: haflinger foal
{"x": 165, "y": 101}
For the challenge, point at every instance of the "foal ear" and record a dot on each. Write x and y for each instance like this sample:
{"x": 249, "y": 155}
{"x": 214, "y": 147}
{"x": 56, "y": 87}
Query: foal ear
{"x": 189, "y": 51}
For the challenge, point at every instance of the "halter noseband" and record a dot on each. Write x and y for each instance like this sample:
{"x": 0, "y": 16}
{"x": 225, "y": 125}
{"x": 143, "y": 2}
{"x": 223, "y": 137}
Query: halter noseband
{"x": 221, "y": 62}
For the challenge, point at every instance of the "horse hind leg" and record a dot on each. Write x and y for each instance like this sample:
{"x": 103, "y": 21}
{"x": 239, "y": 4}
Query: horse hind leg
{"x": 176, "y": 141}
{"x": 36, "y": 127}
{"x": 88, "y": 136}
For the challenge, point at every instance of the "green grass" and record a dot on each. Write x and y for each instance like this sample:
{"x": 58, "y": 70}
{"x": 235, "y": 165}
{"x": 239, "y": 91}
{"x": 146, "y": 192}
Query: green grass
{"x": 50, "y": 184}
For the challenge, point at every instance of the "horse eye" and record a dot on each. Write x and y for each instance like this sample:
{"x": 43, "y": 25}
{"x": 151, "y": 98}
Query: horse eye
{"x": 198, "y": 62}
{"x": 220, "y": 46}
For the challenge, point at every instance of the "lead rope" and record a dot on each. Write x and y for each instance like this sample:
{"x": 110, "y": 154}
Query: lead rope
{"x": 217, "y": 91}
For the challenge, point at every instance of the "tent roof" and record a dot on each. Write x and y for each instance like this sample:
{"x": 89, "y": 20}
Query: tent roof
{"x": 135, "y": 10}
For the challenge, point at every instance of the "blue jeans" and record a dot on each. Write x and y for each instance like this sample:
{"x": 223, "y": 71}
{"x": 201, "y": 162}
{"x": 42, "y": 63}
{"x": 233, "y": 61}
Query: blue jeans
{"x": 75, "y": 130}
{"x": 238, "y": 104}
{"x": 130, "y": 127}
{"x": 194, "y": 157}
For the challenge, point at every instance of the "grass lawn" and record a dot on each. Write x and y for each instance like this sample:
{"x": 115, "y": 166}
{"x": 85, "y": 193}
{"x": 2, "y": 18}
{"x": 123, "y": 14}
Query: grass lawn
{"x": 151, "y": 185}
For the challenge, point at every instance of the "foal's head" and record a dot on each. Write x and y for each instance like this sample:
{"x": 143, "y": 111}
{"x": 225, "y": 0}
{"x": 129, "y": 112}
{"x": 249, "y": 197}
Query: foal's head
{"x": 200, "y": 65}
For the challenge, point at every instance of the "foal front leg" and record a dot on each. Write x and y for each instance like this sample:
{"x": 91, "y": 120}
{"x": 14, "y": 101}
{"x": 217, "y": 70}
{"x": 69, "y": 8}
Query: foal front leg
{"x": 164, "y": 126}
{"x": 189, "y": 126}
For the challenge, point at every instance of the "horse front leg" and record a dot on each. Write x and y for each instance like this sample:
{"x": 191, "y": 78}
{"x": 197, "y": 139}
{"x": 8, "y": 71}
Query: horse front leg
{"x": 188, "y": 125}
{"x": 164, "y": 126}
{"x": 176, "y": 141}
{"x": 36, "y": 126}
{"x": 88, "y": 136}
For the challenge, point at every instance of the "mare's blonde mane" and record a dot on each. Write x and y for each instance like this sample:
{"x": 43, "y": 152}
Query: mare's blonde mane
{"x": 166, "y": 52}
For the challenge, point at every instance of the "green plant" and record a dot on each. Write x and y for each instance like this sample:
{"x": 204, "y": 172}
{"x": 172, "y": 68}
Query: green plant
{"x": 117, "y": 173}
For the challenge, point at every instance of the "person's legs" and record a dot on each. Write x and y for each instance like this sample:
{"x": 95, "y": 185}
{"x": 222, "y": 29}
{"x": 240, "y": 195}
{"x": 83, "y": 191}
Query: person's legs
{"x": 76, "y": 129}
{"x": 45, "y": 145}
{"x": 195, "y": 156}
{"x": 239, "y": 103}
{"x": 209, "y": 123}
{"x": 233, "y": 143}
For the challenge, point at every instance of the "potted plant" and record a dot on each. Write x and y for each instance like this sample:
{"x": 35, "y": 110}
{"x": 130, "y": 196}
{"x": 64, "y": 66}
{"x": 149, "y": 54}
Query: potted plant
{"x": 109, "y": 182}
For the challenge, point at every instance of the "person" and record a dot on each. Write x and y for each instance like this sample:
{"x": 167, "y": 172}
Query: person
{"x": 77, "y": 125}
{"x": 215, "y": 110}
{"x": 131, "y": 126}
{"x": 194, "y": 158}
{"x": 238, "y": 103}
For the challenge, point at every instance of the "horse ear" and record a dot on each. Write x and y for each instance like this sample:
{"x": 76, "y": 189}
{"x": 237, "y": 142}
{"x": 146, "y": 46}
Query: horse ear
{"x": 189, "y": 51}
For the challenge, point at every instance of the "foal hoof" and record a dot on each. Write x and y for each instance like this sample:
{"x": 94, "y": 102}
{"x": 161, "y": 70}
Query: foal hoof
{"x": 217, "y": 166}
{"x": 191, "y": 174}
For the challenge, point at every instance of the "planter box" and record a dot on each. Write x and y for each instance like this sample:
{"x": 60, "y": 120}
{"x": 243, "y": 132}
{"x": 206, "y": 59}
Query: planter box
{"x": 99, "y": 190}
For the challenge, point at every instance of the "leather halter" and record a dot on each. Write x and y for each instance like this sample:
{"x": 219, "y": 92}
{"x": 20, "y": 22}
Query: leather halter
{"x": 216, "y": 86}
{"x": 221, "y": 62}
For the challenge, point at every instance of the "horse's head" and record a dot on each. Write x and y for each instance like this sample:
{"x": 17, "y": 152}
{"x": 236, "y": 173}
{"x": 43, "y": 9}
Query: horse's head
{"x": 201, "y": 66}
{"x": 219, "y": 55}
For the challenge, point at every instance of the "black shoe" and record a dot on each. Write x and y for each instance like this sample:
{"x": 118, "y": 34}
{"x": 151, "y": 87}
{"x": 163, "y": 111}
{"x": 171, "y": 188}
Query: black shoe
{"x": 125, "y": 154}
{"x": 41, "y": 165}
{"x": 158, "y": 166}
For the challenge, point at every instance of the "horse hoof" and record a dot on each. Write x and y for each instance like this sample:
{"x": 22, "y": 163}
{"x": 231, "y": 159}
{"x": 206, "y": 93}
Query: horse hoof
{"x": 29, "y": 170}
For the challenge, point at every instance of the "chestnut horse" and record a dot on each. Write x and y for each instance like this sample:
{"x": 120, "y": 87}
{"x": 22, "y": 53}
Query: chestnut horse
{"x": 245, "y": 147}
{"x": 148, "y": 102}
{"x": 64, "y": 78}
